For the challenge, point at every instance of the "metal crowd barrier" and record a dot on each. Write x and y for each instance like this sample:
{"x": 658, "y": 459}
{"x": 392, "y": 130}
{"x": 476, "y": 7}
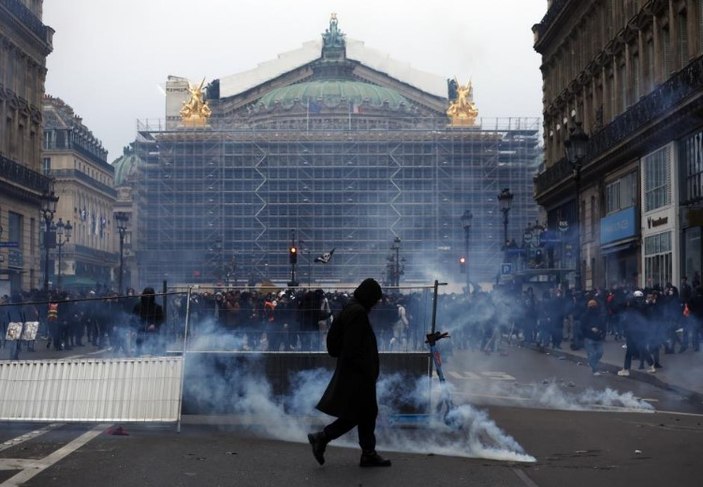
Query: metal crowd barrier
{"x": 130, "y": 390}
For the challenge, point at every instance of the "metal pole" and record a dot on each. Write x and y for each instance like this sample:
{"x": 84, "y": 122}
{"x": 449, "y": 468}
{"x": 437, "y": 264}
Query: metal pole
{"x": 397, "y": 266}
{"x": 505, "y": 233}
{"x": 58, "y": 279}
{"x": 577, "y": 273}
{"x": 119, "y": 290}
{"x": 46, "y": 255}
{"x": 468, "y": 261}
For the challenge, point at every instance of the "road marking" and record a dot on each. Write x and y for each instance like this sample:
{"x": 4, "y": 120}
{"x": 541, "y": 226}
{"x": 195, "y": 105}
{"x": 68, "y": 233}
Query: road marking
{"x": 680, "y": 413}
{"x": 18, "y": 463}
{"x": 525, "y": 479}
{"x": 40, "y": 465}
{"x": 485, "y": 374}
{"x": 28, "y": 436}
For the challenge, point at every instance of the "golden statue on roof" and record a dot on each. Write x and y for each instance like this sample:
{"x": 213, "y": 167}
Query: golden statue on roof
{"x": 195, "y": 111}
{"x": 462, "y": 110}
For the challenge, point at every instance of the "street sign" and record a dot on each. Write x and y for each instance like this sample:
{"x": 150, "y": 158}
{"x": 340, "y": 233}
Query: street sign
{"x": 9, "y": 245}
{"x": 506, "y": 268}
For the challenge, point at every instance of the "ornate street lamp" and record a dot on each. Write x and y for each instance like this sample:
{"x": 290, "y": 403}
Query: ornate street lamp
{"x": 63, "y": 235}
{"x": 466, "y": 219}
{"x": 48, "y": 208}
{"x": 505, "y": 200}
{"x": 575, "y": 149}
{"x": 121, "y": 218}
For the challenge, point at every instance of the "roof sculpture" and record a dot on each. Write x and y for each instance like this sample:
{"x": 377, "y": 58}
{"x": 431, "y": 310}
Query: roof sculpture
{"x": 195, "y": 111}
{"x": 462, "y": 110}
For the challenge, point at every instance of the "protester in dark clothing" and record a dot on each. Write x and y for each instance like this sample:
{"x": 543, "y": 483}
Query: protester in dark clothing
{"x": 692, "y": 324}
{"x": 149, "y": 318}
{"x": 351, "y": 393}
{"x": 593, "y": 330}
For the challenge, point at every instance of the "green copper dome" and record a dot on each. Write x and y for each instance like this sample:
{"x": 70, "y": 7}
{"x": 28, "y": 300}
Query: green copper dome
{"x": 125, "y": 166}
{"x": 333, "y": 92}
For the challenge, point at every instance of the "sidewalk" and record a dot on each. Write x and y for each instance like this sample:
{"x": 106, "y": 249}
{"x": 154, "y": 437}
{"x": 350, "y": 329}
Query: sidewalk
{"x": 680, "y": 372}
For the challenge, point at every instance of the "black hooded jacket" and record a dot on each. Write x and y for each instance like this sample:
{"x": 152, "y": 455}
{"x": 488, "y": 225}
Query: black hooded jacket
{"x": 351, "y": 393}
{"x": 147, "y": 312}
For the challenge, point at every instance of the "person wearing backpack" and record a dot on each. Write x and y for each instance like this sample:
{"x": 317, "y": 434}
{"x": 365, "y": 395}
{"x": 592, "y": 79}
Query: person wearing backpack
{"x": 351, "y": 394}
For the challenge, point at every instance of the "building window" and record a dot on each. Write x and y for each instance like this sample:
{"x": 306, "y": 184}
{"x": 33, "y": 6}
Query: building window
{"x": 658, "y": 259}
{"x": 682, "y": 47}
{"x": 14, "y": 221}
{"x": 46, "y": 165}
{"x": 635, "y": 77}
{"x": 657, "y": 179}
{"x": 621, "y": 193}
{"x": 691, "y": 155}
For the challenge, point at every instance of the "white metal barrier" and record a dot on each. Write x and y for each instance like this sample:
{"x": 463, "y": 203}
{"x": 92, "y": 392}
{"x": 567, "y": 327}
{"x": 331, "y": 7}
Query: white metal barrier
{"x": 140, "y": 389}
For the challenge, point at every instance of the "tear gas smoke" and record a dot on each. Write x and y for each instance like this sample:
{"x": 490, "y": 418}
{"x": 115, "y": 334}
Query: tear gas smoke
{"x": 242, "y": 390}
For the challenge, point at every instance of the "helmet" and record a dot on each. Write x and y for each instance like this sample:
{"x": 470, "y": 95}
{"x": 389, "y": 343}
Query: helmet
{"x": 638, "y": 294}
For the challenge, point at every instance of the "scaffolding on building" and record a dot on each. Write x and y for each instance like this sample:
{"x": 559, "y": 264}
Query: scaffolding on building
{"x": 220, "y": 201}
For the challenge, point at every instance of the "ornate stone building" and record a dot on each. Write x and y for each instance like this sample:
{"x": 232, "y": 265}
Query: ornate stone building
{"x": 630, "y": 73}
{"x": 330, "y": 146}
{"x": 25, "y": 42}
{"x": 84, "y": 183}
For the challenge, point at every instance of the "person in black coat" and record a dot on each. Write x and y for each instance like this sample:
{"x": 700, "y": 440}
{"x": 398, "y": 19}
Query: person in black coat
{"x": 149, "y": 317}
{"x": 351, "y": 394}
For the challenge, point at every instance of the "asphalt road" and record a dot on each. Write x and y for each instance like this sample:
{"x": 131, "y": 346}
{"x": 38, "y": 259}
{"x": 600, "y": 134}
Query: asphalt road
{"x": 526, "y": 420}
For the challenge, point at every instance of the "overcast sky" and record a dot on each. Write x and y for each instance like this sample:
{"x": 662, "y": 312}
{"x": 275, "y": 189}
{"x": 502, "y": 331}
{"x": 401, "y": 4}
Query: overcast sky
{"x": 111, "y": 58}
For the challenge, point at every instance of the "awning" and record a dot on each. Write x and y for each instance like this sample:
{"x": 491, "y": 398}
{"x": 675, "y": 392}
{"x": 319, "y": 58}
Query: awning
{"x": 617, "y": 248}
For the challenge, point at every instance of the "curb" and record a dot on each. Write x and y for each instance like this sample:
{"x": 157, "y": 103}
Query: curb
{"x": 651, "y": 379}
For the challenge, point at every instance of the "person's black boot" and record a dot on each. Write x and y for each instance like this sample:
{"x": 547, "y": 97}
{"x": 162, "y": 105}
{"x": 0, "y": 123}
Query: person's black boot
{"x": 318, "y": 441}
{"x": 373, "y": 459}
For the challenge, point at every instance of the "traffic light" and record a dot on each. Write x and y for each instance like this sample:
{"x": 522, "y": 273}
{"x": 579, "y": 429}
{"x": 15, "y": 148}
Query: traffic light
{"x": 462, "y": 265}
{"x": 293, "y": 254}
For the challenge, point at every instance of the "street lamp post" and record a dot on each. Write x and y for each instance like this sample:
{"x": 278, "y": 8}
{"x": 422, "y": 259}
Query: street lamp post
{"x": 466, "y": 223}
{"x": 396, "y": 271}
{"x": 121, "y": 218}
{"x": 505, "y": 200}
{"x": 48, "y": 208}
{"x": 63, "y": 235}
{"x": 575, "y": 149}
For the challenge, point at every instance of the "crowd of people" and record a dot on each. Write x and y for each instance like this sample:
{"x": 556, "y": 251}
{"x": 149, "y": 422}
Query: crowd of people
{"x": 650, "y": 321}
{"x": 128, "y": 325}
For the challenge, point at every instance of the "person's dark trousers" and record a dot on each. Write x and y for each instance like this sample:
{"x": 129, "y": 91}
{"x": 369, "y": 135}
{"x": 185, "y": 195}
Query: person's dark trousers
{"x": 645, "y": 354}
{"x": 365, "y": 427}
{"x": 629, "y": 352}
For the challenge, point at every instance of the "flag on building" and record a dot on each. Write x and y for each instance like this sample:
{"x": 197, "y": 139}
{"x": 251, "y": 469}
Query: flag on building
{"x": 324, "y": 258}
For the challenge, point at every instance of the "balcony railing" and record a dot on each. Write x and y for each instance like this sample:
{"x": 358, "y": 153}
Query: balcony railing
{"x": 668, "y": 95}
{"x": 23, "y": 176}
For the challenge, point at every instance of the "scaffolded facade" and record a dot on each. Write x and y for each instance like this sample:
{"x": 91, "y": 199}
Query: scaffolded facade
{"x": 327, "y": 165}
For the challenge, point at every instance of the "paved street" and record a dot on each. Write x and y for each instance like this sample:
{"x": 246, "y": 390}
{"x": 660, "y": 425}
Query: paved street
{"x": 580, "y": 429}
